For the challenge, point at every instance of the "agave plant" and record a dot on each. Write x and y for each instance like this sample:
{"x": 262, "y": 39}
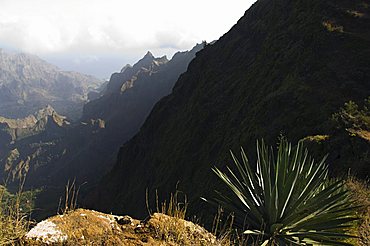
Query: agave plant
{"x": 288, "y": 201}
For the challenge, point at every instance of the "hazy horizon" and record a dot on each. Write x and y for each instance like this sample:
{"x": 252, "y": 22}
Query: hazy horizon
{"x": 99, "y": 37}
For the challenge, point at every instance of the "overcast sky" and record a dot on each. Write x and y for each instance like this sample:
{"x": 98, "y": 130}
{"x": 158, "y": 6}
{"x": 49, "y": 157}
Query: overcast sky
{"x": 100, "y": 36}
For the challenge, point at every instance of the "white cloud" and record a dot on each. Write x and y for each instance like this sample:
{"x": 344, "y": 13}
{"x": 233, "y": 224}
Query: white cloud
{"x": 106, "y": 27}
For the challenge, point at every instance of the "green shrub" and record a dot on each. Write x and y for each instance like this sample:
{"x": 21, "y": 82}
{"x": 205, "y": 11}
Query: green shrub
{"x": 352, "y": 116}
{"x": 288, "y": 200}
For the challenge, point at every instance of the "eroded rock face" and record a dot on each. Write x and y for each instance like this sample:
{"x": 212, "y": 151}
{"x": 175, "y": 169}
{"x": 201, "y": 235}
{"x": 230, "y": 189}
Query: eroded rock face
{"x": 88, "y": 227}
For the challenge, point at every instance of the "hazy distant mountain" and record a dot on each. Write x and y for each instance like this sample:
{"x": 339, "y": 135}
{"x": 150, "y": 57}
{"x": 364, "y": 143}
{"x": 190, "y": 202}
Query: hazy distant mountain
{"x": 28, "y": 83}
{"x": 283, "y": 69}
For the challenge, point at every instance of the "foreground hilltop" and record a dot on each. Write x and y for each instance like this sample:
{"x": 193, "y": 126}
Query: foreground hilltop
{"x": 284, "y": 69}
{"x": 88, "y": 227}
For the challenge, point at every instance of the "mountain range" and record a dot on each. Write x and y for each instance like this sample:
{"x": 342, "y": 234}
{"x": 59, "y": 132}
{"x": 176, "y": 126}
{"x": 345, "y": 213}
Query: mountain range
{"x": 84, "y": 151}
{"x": 283, "y": 70}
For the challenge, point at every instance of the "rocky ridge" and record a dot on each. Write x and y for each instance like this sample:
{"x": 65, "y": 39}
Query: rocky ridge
{"x": 32, "y": 124}
{"x": 119, "y": 82}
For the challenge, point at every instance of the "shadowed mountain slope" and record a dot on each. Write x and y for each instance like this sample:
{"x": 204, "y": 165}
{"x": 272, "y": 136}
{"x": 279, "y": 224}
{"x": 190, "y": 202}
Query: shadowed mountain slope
{"x": 284, "y": 68}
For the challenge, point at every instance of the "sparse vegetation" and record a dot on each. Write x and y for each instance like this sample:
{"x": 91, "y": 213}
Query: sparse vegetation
{"x": 171, "y": 230}
{"x": 332, "y": 27}
{"x": 14, "y": 214}
{"x": 70, "y": 198}
{"x": 222, "y": 225}
{"x": 316, "y": 138}
{"x": 360, "y": 192}
{"x": 288, "y": 201}
{"x": 175, "y": 207}
{"x": 352, "y": 116}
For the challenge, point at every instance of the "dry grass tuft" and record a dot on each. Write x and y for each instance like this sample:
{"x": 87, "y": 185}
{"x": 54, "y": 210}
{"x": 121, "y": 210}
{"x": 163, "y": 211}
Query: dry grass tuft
{"x": 175, "y": 231}
{"x": 14, "y": 215}
{"x": 361, "y": 196}
{"x": 175, "y": 207}
{"x": 70, "y": 199}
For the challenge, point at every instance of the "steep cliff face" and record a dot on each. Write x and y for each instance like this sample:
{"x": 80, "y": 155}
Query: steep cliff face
{"x": 27, "y": 83}
{"x": 284, "y": 68}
